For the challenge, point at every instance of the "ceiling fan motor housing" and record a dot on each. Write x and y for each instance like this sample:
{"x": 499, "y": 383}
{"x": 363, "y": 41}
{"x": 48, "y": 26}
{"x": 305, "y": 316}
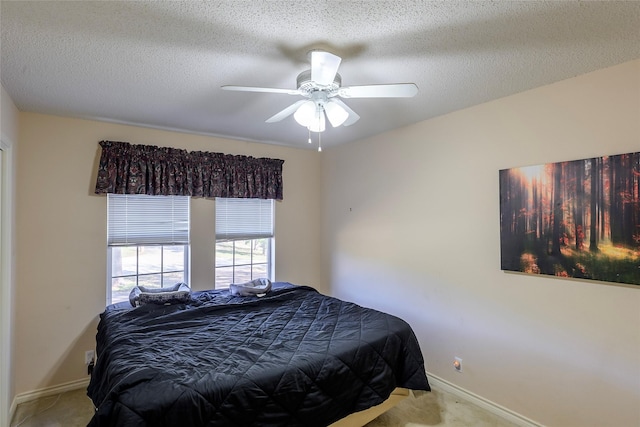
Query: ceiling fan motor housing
{"x": 305, "y": 84}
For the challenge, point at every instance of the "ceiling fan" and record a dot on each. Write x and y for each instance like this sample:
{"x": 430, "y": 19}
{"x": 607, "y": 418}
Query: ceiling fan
{"x": 321, "y": 86}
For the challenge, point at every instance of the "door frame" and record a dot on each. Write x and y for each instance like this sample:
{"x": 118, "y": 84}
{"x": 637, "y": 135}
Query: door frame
{"x": 6, "y": 278}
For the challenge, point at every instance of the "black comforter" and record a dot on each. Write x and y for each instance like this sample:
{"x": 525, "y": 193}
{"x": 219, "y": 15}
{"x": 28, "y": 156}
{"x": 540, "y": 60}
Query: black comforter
{"x": 294, "y": 357}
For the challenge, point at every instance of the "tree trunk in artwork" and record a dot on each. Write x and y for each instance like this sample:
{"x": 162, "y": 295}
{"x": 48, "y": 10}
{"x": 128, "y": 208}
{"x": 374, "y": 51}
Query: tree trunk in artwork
{"x": 557, "y": 208}
{"x": 602, "y": 201}
{"x": 593, "y": 234}
{"x": 636, "y": 199}
{"x": 616, "y": 209}
{"x": 579, "y": 205}
{"x": 629, "y": 203}
{"x": 611, "y": 206}
{"x": 508, "y": 220}
{"x": 535, "y": 212}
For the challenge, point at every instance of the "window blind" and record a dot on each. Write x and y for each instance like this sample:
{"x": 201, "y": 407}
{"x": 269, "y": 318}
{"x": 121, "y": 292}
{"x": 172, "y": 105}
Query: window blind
{"x": 147, "y": 220}
{"x": 244, "y": 218}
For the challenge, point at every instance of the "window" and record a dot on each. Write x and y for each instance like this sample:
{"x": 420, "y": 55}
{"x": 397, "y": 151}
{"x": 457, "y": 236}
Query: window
{"x": 244, "y": 240}
{"x": 148, "y": 242}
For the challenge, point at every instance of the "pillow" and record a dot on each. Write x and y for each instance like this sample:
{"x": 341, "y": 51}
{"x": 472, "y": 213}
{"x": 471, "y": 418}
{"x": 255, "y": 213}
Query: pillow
{"x": 254, "y": 287}
{"x": 178, "y": 293}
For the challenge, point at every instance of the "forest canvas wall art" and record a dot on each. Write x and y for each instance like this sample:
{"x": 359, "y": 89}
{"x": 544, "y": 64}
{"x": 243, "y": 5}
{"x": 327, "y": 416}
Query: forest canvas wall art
{"x": 576, "y": 219}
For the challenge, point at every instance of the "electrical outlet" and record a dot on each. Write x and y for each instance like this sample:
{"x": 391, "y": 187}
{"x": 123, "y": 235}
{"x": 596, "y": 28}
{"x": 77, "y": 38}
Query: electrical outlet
{"x": 457, "y": 364}
{"x": 88, "y": 356}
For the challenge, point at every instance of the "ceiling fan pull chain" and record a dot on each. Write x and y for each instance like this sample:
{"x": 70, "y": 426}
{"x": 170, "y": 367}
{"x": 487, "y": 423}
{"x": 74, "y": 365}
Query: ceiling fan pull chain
{"x": 319, "y": 141}
{"x": 309, "y": 129}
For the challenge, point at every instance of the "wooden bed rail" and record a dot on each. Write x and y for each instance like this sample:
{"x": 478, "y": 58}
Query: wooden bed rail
{"x": 359, "y": 419}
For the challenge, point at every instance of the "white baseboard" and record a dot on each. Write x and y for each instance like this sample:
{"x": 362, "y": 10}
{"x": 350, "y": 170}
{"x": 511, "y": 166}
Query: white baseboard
{"x": 488, "y": 405}
{"x": 45, "y": 392}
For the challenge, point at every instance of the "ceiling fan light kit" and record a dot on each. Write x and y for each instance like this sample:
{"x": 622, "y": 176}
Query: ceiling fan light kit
{"x": 322, "y": 86}
{"x": 305, "y": 113}
{"x": 311, "y": 116}
{"x": 335, "y": 113}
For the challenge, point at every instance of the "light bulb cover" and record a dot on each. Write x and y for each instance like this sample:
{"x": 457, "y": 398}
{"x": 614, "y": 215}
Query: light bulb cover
{"x": 305, "y": 113}
{"x": 335, "y": 113}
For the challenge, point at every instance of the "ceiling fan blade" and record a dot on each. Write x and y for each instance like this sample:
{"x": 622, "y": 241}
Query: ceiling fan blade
{"x": 353, "y": 116}
{"x": 396, "y": 90}
{"x": 286, "y": 112}
{"x": 261, "y": 89}
{"x": 324, "y": 67}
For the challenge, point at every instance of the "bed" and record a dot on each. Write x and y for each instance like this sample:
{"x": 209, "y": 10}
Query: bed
{"x": 292, "y": 357}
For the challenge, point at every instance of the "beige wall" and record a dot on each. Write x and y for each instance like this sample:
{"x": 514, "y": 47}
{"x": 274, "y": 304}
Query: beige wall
{"x": 61, "y": 235}
{"x": 411, "y": 226}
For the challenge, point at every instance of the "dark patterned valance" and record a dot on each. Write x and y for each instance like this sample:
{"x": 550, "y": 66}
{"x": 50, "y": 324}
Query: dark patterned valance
{"x": 146, "y": 169}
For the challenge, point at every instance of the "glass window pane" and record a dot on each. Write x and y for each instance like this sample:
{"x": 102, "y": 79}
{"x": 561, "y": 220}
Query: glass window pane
{"x": 173, "y": 258}
{"x": 243, "y": 252}
{"x": 121, "y": 287}
{"x": 149, "y": 259}
{"x": 242, "y": 274}
{"x": 116, "y": 262}
{"x": 150, "y": 280}
{"x": 170, "y": 279}
{"x": 123, "y": 261}
{"x": 224, "y": 253}
{"x": 224, "y": 276}
{"x": 260, "y": 251}
{"x": 260, "y": 271}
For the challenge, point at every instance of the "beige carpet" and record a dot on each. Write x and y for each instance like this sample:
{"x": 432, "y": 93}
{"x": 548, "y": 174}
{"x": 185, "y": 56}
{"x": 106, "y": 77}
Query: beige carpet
{"x": 438, "y": 408}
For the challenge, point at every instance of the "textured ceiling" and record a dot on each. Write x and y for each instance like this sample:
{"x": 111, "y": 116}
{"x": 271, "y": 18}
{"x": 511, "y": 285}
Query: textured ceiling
{"x": 161, "y": 64}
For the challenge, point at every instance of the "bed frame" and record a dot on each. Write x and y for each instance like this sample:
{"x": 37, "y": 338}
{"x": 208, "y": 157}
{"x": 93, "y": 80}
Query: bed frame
{"x": 359, "y": 419}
